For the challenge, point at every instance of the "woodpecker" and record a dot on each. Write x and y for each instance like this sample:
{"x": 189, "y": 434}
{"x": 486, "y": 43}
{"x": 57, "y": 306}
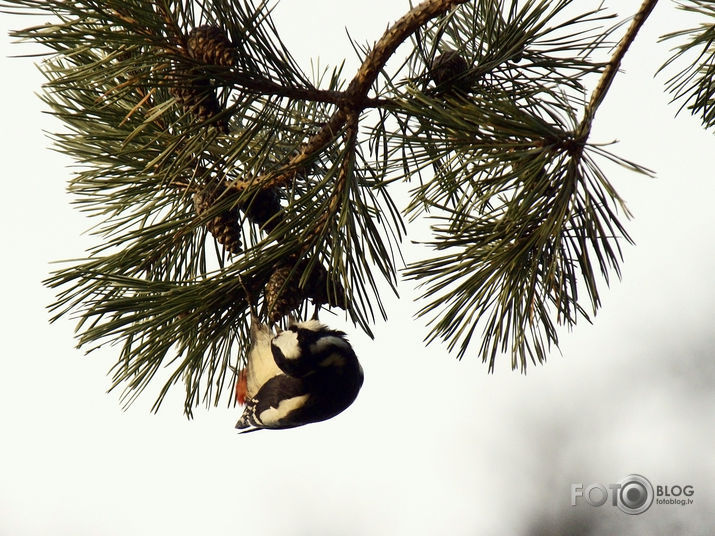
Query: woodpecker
{"x": 307, "y": 373}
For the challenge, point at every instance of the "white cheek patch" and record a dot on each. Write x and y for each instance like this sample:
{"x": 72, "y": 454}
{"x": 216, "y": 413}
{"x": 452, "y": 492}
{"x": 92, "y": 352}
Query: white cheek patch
{"x": 287, "y": 343}
{"x": 330, "y": 341}
{"x": 273, "y": 416}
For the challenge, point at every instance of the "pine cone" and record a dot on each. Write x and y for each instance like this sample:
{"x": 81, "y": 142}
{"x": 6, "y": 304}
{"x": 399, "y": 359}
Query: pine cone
{"x": 448, "y": 70}
{"x": 199, "y": 97}
{"x": 210, "y": 45}
{"x": 262, "y": 207}
{"x": 282, "y": 296}
{"x": 224, "y": 227}
{"x": 316, "y": 288}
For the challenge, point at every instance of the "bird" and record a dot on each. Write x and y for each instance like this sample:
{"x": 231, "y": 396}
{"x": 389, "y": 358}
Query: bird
{"x": 307, "y": 373}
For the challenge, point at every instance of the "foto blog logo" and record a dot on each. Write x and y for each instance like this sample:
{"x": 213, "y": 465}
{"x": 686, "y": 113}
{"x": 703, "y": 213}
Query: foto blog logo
{"x": 633, "y": 495}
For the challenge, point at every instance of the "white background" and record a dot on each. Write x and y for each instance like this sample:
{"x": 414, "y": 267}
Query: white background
{"x": 432, "y": 445}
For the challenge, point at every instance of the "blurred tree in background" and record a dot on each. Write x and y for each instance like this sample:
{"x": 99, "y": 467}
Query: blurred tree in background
{"x": 223, "y": 179}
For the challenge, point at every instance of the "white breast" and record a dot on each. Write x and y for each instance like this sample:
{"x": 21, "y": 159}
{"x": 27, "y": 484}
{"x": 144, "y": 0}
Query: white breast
{"x": 261, "y": 365}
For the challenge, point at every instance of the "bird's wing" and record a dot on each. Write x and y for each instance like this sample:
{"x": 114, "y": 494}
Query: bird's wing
{"x": 276, "y": 399}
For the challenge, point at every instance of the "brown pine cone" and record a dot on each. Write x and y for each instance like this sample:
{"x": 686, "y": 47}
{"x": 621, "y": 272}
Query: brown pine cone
{"x": 316, "y": 288}
{"x": 199, "y": 97}
{"x": 210, "y": 45}
{"x": 263, "y": 207}
{"x": 282, "y": 295}
{"x": 448, "y": 71}
{"x": 224, "y": 226}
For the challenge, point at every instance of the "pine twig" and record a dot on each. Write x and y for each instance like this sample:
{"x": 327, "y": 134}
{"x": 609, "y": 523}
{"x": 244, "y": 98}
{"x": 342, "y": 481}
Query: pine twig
{"x": 612, "y": 68}
{"x": 264, "y": 87}
{"x": 351, "y": 139}
{"x": 357, "y": 90}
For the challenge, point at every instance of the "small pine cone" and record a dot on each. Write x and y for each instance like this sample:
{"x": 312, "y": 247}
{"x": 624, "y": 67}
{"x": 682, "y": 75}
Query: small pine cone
{"x": 316, "y": 288}
{"x": 262, "y": 207}
{"x": 282, "y": 295}
{"x": 210, "y": 45}
{"x": 224, "y": 227}
{"x": 448, "y": 71}
{"x": 199, "y": 97}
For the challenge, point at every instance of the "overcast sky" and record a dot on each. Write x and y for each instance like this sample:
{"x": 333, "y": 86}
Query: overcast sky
{"x": 432, "y": 445}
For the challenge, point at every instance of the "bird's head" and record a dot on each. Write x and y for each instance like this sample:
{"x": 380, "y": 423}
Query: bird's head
{"x": 310, "y": 345}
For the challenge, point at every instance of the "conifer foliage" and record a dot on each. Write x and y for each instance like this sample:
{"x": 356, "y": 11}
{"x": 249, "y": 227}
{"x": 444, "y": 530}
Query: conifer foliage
{"x": 222, "y": 179}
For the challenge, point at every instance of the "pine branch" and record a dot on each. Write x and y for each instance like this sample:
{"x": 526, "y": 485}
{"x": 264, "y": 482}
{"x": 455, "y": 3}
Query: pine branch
{"x": 357, "y": 90}
{"x": 694, "y": 84}
{"x": 614, "y": 64}
{"x": 227, "y": 181}
{"x": 339, "y": 98}
{"x": 525, "y": 220}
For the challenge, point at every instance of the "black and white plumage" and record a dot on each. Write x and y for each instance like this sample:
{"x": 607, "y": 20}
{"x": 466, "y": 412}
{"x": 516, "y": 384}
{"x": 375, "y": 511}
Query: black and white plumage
{"x": 307, "y": 373}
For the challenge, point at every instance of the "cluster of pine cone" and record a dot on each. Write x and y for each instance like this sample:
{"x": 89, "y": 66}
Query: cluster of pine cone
{"x": 206, "y": 45}
{"x": 261, "y": 210}
{"x": 192, "y": 90}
